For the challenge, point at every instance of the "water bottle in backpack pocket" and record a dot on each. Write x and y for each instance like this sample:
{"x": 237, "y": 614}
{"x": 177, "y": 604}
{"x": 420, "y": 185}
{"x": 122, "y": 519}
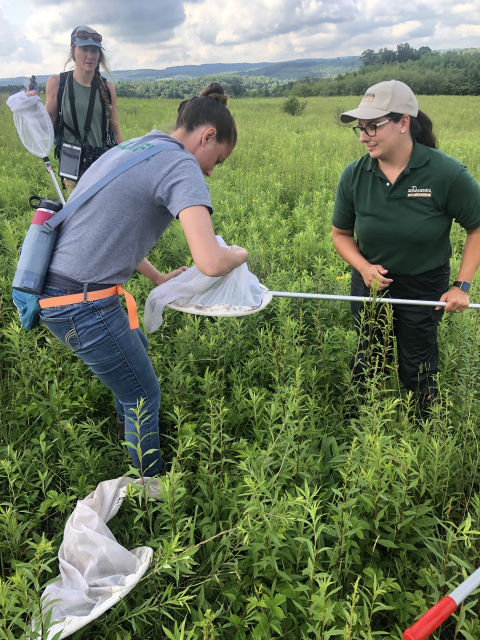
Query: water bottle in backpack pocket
{"x": 37, "y": 248}
{"x": 33, "y": 263}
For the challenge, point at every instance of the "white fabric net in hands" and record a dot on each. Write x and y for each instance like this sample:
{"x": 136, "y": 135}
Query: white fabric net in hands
{"x": 238, "y": 293}
{"x": 33, "y": 124}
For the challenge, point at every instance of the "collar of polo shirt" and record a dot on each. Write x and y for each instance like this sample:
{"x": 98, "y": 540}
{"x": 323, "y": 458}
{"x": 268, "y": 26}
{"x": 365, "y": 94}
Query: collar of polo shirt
{"x": 418, "y": 158}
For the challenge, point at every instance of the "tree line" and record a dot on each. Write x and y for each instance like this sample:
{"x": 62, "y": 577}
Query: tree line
{"x": 235, "y": 86}
{"x": 455, "y": 73}
{"x": 404, "y": 53}
{"x": 425, "y": 71}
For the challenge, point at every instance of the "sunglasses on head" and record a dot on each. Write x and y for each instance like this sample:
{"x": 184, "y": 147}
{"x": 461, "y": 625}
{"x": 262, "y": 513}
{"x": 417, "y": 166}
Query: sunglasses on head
{"x": 86, "y": 35}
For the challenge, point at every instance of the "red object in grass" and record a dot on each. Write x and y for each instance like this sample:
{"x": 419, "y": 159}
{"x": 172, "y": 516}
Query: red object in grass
{"x": 431, "y": 620}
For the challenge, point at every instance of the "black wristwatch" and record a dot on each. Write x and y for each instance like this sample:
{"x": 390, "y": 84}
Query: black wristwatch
{"x": 464, "y": 285}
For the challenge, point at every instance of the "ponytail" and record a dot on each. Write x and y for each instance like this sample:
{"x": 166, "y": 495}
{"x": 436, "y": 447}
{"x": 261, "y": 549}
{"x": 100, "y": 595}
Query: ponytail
{"x": 421, "y": 128}
{"x": 103, "y": 92}
{"x": 209, "y": 108}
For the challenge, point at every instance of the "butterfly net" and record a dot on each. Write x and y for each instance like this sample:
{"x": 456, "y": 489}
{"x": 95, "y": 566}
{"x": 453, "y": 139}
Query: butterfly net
{"x": 32, "y": 122}
{"x": 238, "y": 293}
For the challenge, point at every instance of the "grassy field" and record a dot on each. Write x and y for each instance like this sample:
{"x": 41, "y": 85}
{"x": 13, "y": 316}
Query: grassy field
{"x": 282, "y": 517}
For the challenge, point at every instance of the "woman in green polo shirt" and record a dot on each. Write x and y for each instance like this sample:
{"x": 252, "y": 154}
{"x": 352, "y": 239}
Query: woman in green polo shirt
{"x": 400, "y": 201}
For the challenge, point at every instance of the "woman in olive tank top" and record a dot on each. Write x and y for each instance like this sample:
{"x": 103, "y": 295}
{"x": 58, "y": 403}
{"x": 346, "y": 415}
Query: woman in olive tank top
{"x": 87, "y": 52}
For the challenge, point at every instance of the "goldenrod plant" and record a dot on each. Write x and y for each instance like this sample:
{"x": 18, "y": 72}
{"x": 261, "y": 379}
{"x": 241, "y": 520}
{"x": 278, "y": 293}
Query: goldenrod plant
{"x": 296, "y": 506}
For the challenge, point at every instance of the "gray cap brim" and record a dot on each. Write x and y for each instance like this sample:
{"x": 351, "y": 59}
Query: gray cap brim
{"x": 363, "y": 113}
{"x": 89, "y": 43}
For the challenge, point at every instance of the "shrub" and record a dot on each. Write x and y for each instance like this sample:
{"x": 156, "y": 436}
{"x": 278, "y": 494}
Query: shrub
{"x": 294, "y": 106}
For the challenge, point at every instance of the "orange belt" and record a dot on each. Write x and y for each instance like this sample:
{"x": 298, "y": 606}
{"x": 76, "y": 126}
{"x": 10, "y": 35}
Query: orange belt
{"x": 61, "y": 301}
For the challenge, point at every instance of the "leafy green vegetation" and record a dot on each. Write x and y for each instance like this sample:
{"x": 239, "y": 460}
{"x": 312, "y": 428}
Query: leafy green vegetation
{"x": 403, "y": 53}
{"x": 287, "y": 513}
{"x": 10, "y": 88}
{"x": 426, "y": 72}
{"x": 294, "y": 106}
{"x": 288, "y": 70}
{"x": 235, "y": 86}
{"x": 448, "y": 73}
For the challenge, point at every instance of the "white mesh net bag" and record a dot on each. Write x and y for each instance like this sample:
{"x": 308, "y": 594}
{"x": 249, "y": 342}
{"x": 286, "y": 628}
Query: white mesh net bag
{"x": 32, "y": 122}
{"x": 239, "y": 293}
{"x": 96, "y": 572}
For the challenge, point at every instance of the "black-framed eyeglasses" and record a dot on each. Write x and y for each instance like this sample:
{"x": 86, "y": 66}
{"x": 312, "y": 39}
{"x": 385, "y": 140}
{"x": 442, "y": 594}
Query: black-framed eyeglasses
{"x": 86, "y": 35}
{"x": 369, "y": 129}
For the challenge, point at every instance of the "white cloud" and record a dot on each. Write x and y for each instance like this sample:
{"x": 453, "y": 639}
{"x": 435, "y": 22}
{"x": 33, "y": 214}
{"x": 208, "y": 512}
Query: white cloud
{"x": 406, "y": 29}
{"x": 160, "y": 33}
{"x": 14, "y": 46}
{"x": 226, "y": 22}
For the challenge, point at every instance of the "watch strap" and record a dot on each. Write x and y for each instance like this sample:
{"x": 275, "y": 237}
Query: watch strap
{"x": 462, "y": 284}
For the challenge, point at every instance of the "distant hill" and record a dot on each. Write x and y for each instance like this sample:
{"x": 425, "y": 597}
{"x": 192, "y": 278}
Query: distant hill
{"x": 312, "y": 67}
{"x": 289, "y": 70}
{"x": 189, "y": 71}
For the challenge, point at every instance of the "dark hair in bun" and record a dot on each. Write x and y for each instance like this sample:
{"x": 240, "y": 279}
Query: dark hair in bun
{"x": 209, "y": 108}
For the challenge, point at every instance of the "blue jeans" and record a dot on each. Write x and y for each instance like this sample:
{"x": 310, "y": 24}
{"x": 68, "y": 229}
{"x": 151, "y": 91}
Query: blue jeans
{"x": 99, "y": 333}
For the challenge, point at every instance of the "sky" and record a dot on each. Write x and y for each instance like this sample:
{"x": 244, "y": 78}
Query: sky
{"x": 154, "y": 34}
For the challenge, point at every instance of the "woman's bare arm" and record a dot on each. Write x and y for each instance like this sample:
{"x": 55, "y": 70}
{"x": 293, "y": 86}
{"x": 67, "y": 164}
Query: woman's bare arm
{"x": 456, "y": 299}
{"x": 347, "y": 248}
{"x": 209, "y": 257}
{"x": 147, "y": 269}
{"x": 115, "y": 125}
{"x": 51, "y": 92}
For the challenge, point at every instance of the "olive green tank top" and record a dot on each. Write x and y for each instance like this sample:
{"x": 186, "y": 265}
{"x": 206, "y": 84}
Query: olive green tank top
{"x": 82, "y": 97}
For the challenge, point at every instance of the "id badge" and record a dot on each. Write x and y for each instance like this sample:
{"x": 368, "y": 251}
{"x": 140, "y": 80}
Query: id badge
{"x": 70, "y": 161}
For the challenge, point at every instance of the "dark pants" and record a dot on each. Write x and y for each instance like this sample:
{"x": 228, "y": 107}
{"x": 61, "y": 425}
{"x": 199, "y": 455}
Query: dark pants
{"x": 414, "y": 327}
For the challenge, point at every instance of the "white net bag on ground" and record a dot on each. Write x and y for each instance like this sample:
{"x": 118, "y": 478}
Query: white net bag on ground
{"x": 95, "y": 570}
{"x": 33, "y": 124}
{"x": 238, "y": 293}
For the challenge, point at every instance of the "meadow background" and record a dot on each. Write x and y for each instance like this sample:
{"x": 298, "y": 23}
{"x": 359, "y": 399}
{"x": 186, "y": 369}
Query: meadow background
{"x": 286, "y": 514}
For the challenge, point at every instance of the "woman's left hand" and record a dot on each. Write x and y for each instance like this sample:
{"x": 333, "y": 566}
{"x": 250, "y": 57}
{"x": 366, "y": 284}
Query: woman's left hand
{"x": 165, "y": 277}
{"x": 456, "y": 299}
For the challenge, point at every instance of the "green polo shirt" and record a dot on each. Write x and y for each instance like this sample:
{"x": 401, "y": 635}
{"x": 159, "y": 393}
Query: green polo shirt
{"x": 405, "y": 227}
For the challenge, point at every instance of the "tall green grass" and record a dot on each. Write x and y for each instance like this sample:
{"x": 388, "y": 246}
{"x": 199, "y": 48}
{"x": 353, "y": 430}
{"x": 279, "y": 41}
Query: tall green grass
{"x": 286, "y": 514}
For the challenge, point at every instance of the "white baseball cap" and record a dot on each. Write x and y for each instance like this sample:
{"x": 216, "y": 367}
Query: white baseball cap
{"x": 391, "y": 96}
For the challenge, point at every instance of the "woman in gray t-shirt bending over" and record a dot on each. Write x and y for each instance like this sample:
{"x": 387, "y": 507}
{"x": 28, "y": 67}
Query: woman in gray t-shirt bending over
{"x": 108, "y": 237}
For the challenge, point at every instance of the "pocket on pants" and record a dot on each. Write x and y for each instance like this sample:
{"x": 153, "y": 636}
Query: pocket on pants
{"x": 64, "y": 329}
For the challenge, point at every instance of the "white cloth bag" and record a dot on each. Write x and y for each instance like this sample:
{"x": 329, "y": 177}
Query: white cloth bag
{"x": 95, "y": 570}
{"x": 32, "y": 122}
{"x": 238, "y": 293}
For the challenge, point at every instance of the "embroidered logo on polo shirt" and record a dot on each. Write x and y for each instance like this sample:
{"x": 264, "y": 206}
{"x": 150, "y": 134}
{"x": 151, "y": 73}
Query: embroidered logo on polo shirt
{"x": 415, "y": 192}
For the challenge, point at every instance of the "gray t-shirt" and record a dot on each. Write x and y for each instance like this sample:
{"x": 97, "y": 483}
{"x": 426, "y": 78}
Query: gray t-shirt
{"x": 105, "y": 239}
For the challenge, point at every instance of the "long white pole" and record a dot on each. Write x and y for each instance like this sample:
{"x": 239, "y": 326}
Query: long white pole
{"x": 324, "y": 296}
{"x": 52, "y": 176}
